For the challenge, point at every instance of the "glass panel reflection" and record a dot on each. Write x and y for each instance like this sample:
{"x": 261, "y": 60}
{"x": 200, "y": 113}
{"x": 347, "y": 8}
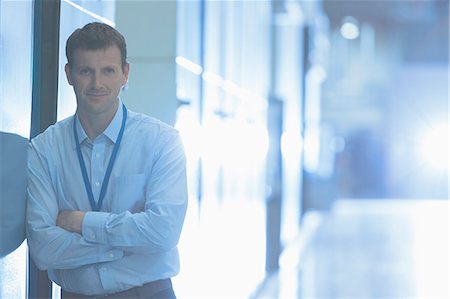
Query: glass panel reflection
{"x": 15, "y": 117}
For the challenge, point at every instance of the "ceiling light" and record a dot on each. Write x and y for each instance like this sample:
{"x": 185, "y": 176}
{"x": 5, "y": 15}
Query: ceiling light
{"x": 350, "y": 28}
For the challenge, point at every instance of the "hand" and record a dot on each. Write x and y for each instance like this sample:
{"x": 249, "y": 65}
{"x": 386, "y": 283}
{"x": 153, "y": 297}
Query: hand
{"x": 71, "y": 220}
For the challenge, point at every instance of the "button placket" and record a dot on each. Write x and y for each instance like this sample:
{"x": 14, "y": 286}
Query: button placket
{"x": 97, "y": 168}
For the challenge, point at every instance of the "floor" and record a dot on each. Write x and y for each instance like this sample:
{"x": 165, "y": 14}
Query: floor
{"x": 368, "y": 249}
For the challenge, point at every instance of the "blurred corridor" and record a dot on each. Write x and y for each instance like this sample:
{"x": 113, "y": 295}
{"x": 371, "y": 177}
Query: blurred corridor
{"x": 368, "y": 249}
{"x": 316, "y": 135}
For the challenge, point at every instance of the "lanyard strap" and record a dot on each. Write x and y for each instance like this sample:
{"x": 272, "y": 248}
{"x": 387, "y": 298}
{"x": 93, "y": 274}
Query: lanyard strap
{"x": 97, "y": 206}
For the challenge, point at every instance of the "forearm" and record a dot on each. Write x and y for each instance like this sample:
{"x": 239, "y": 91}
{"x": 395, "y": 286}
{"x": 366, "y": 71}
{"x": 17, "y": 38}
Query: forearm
{"x": 71, "y": 221}
{"x": 147, "y": 231}
{"x": 55, "y": 248}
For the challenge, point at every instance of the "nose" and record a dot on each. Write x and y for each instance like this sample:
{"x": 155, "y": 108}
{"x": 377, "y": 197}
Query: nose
{"x": 96, "y": 80}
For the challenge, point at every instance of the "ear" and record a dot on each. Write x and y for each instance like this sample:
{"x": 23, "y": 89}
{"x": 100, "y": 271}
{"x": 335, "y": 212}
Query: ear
{"x": 126, "y": 71}
{"x": 68, "y": 74}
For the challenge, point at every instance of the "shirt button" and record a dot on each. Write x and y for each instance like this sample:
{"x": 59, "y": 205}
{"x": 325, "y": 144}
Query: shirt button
{"x": 111, "y": 255}
{"x": 97, "y": 184}
{"x": 103, "y": 269}
{"x": 97, "y": 155}
{"x": 93, "y": 236}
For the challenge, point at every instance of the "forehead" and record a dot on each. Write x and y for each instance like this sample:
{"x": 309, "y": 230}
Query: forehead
{"x": 110, "y": 56}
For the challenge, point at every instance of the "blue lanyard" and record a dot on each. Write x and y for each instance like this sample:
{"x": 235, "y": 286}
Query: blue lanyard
{"x": 97, "y": 206}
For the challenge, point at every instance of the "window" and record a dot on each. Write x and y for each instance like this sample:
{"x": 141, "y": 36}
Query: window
{"x": 15, "y": 114}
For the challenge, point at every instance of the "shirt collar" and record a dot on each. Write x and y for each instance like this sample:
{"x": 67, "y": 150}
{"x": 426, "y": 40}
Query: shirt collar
{"x": 112, "y": 131}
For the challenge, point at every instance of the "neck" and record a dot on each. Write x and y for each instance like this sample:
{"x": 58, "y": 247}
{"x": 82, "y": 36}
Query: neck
{"x": 95, "y": 124}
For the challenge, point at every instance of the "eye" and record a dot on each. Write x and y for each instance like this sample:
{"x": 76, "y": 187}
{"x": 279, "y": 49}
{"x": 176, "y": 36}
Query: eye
{"x": 84, "y": 71}
{"x": 109, "y": 71}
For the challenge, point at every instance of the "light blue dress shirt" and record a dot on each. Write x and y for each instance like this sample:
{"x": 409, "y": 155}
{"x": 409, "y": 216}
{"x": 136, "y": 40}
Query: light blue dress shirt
{"x": 133, "y": 239}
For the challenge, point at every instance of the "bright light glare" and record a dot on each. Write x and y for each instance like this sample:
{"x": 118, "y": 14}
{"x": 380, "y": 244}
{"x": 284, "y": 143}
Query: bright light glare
{"x": 291, "y": 145}
{"x": 349, "y": 28}
{"x": 434, "y": 147}
{"x": 431, "y": 250}
{"x": 318, "y": 73}
{"x": 90, "y": 13}
{"x": 312, "y": 149}
{"x": 189, "y": 129}
{"x": 189, "y": 65}
{"x": 230, "y": 249}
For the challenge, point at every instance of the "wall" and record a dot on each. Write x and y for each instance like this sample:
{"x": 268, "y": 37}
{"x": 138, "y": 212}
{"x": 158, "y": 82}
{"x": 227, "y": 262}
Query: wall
{"x": 150, "y": 31}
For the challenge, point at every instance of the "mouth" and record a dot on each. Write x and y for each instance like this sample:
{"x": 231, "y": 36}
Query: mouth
{"x": 96, "y": 94}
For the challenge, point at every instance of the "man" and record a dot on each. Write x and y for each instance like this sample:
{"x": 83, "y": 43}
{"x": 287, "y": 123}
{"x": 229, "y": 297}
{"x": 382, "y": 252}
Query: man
{"x": 107, "y": 187}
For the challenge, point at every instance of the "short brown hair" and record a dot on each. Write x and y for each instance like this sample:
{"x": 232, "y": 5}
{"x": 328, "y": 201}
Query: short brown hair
{"x": 94, "y": 36}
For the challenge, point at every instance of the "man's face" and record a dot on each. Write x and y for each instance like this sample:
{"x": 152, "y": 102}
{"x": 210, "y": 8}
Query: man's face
{"x": 97, "y": 78}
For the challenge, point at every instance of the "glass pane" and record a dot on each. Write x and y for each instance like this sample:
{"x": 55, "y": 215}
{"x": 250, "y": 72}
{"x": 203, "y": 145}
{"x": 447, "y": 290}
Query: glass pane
{"x": 15, "y": 66}
{"x": 15, "y": 117}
